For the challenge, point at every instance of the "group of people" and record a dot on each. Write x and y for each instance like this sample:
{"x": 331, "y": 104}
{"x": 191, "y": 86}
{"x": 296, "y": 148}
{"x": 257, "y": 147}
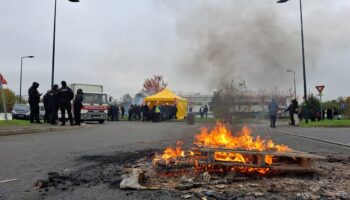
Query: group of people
{"x": 293, "y": 110}
{"x": 330, "y": 114}
{"x": 156, "y": 113}
{"x": 55, "y": 99}
{"x": 203, "y": 111}
{"x": 113, "y": 112}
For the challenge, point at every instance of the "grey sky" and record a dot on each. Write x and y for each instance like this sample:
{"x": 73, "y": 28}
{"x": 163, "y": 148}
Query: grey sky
{"x": 120, "y": 43}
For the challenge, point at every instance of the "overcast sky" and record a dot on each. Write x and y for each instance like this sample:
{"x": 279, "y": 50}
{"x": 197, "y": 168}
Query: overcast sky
{"x": 119, "y": 43}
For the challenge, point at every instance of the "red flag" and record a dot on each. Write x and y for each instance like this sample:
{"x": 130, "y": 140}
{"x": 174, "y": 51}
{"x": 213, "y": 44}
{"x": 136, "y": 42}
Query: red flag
{"x": 3, "y": 80}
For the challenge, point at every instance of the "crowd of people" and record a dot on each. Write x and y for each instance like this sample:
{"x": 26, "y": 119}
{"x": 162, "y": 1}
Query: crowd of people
{"x": 54, "y": 100}
{"x": 297, "y": 113}
{"x": 145, "y": 113}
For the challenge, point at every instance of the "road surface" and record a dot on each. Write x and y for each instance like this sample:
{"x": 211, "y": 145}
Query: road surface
{"x": 30, "y": 157}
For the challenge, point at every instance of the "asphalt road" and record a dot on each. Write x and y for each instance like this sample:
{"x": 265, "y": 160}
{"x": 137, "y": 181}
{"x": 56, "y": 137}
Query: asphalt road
{"x": 29, "y": 157}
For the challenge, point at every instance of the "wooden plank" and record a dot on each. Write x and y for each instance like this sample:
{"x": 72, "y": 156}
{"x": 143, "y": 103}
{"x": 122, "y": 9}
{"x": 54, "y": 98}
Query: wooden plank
{"x": 272, "y": 167}
{"x": 273, "y": 153}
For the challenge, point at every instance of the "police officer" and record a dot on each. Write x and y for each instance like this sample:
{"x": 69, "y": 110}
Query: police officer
{"x": 53, "y": 104}
{"x": 65, "y": 95}
{"x": 78, "y": 104}
{"x": 34, "y": 99}
{"x": 46, "y": 106}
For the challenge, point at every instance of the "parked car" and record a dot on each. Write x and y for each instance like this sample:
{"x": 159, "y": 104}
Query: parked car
{"x": 21, "y": 111}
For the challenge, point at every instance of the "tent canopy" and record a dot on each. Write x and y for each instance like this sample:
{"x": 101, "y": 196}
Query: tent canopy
{"x": 167, "y": 96}
{"x": 164, "y": 95}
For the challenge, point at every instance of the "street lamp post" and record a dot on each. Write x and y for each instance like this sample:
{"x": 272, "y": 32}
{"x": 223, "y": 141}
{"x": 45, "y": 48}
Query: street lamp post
{"x": 306, "y": 114}
{"x": 295, "y": 90}
{"x": 54, "y": 43}
{"x": 20, "y": 79}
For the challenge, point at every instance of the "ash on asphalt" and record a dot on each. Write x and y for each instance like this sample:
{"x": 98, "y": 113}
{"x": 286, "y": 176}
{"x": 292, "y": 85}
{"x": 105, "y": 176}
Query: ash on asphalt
{"x": 94, "y": 170}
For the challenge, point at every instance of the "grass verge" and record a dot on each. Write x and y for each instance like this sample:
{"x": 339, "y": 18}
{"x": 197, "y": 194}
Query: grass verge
{"x": 14, "y": 123}
{"x": 328, "y": 123}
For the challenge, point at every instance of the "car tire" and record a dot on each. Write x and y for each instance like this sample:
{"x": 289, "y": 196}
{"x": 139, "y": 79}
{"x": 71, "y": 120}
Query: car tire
{"x": 101, "y": 121}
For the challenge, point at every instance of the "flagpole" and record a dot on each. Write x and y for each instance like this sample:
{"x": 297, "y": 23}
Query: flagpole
{"x": 3, "y": 99}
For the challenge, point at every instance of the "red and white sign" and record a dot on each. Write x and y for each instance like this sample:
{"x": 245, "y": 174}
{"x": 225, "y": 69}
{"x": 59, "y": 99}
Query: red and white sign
{"x": 95, "y": 107}
{"x": 3, "y": 80}
{"x": 320, "y": 88}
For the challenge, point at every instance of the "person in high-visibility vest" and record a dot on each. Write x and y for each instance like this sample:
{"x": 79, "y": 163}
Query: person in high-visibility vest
{"x": 157, "y": 112}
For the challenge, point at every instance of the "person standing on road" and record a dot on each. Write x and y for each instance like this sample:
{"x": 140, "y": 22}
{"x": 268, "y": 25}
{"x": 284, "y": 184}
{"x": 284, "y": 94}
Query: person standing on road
{"x": 205, "y": 110}
{"x": 77, "y": 105}
{"x": 46, "y": 106}
{"x": 53, "y": 105}
{"x": 273, "y": 109}
{"x": 293, "y": 111}
{"x": 122, "y": 109}
{"x": 65, "y": 95}
{"x": 34, "y": 99}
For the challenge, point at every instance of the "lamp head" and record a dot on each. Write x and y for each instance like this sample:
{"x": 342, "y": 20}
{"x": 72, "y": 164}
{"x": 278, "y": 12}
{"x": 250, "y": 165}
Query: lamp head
{"x": 74, "y": 1}
{"x": 30, "y": 56}
{"x": 282, "y": 1}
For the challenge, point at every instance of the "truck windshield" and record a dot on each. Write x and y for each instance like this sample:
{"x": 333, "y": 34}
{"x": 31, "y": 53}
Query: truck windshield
{"x": 93, "y": 98}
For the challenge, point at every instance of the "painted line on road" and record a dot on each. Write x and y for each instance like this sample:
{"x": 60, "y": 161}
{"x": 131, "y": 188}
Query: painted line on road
{"x": 9, "y": 180}
{"x": 310, "y": 138}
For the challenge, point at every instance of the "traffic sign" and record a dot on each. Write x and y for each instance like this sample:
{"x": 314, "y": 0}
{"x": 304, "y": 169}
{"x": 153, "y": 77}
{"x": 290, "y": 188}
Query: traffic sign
{"x": 320, "y": 88}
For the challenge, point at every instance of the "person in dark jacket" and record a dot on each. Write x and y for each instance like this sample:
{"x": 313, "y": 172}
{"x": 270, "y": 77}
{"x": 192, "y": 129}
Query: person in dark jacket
{"x": 122, "y": 109}
{"x": 273, "y": 109}
{"x": 205, "y": 111}
{"x": 46, "y": 106}
{"x": 293, "y": 109}
{"x": 77, "y": 105}
{"x": 34, "y": 99}
{"x": 65, "y": 95}
{"x": 53, "y": 105}
{"x": 130, "y": 112}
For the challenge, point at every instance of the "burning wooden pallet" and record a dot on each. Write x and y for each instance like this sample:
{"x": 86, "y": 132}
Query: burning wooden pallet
{"x": 289, "y": 160}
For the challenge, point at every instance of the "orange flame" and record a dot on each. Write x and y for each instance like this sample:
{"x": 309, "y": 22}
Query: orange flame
{"x": 174, "y": 153}
{"x": 222, "y": 137}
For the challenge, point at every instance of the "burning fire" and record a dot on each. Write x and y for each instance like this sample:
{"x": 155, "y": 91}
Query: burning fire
{"x": 220, "y": 137}
{"x": 173, "y": 153}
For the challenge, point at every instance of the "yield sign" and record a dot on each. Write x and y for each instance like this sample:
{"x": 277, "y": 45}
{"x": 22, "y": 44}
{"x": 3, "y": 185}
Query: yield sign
{"x": 320, "y": 88}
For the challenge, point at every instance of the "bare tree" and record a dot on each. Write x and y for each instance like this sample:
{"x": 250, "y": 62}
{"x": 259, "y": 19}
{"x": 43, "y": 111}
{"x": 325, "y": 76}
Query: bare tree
{"x": 154, "y": 84}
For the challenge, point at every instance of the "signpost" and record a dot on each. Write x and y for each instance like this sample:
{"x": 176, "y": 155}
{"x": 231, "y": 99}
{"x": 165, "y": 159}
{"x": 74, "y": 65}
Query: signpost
{"x": 320, "y": 89}
{"x": 2, "y": 82}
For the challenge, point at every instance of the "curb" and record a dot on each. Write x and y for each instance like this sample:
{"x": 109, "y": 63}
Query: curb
{"x": 311, "y": 138}
{"x": 37, "y": 130}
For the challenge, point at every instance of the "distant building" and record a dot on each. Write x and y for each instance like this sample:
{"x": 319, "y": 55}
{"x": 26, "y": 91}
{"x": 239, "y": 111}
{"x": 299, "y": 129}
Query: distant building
{"x": 196, "y": 101}
{"x": 252, "y": 104}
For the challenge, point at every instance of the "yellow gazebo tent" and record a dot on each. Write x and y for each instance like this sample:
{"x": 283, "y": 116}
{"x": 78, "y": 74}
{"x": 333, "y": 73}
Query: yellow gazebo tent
{"x": 167, "y": 96}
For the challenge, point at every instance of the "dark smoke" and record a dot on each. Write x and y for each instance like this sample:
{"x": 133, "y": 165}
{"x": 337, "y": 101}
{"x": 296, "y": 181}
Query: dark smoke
{"x": 237, "y": 40}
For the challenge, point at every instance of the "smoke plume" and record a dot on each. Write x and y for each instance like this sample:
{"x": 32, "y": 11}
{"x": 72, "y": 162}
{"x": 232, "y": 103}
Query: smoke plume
{"x": 238, "y": 40}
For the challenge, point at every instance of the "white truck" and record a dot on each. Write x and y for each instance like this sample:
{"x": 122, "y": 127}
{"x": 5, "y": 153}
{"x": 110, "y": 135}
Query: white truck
{"x": 95, "y": 103}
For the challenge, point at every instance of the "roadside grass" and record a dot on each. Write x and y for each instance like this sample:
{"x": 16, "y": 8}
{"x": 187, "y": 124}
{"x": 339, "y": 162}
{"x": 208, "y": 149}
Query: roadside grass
{"x": 327, "y": 123}
{"x": 14, "y": 122}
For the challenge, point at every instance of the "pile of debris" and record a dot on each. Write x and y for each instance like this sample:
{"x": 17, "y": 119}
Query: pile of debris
{"x": 329, "y": 180}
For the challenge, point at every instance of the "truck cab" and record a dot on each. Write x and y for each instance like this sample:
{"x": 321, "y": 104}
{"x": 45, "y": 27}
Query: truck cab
{"x": 95, "y": 102}
{"x": 95, "y": 107}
